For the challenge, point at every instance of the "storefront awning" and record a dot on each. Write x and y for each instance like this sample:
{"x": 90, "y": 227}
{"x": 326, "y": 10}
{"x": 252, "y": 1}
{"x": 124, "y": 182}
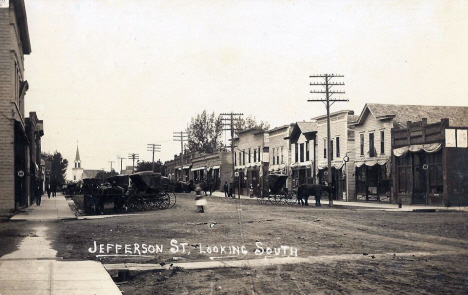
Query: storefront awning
{"x": 215, "y": 167}
{"x": 428, "y": 148}
{"x": 381, "y": 160}
{"x": 187, "y": 167}
{"x": 198, "y": 168}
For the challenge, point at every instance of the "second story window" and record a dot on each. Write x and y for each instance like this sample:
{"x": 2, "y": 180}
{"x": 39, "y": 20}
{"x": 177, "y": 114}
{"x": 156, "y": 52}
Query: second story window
{"x": 331, "y": 149}
{"x": 282, "y": 160}
{"x": 302, "y": 152}
{"x": 382, "y": 142}
{"x": 325, "y": 143}
{"x": 243, "y": 157}
{"x": 371, "y": 145}
{"x": 296, "y": 149}
{"x": 255, "y": 155}
{"x": 273, "y": 153}
{"x": 361, "y": 142}
{"x": 337, "y": 147}
{"x": 277, "y": 156}
{"x": 235, "y": 159}
{"x": 307, "y": 151}
{"x": 249, "y": 155}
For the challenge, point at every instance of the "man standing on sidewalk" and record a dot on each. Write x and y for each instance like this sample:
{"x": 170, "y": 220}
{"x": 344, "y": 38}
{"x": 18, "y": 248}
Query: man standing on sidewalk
{"x": 39, "y": 193}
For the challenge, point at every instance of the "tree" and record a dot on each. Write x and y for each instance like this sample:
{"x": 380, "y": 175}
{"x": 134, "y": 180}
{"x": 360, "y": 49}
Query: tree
{"x": 147, "y": 166}
{"x": 250, "y": 123}
{"x": 205, "y": 133}
{"x": 103, "y": 175}
{"x": 58, "y": 167}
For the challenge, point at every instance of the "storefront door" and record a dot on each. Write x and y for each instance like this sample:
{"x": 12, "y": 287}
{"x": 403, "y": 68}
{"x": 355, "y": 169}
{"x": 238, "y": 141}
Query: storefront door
{"x": 420, "y": 178}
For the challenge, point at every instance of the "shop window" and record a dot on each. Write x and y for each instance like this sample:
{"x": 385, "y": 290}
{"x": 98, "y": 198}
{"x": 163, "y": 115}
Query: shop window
{"x": 361, "y": 180}
{"x": 404, "y": 174}
{"x": 434, "y": 161}
{"x": 277, "y": 156}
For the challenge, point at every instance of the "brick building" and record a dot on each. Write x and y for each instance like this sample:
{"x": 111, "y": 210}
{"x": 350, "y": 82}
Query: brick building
{"x": 18, "y": 169}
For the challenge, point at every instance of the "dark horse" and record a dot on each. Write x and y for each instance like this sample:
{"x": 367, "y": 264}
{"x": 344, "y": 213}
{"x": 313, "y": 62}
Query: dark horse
{"x": 306, "y": 190}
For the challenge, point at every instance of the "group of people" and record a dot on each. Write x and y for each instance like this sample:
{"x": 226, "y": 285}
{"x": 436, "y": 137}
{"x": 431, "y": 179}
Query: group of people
{"x": 228, "y": 190}
{"x": 51, "y": 189}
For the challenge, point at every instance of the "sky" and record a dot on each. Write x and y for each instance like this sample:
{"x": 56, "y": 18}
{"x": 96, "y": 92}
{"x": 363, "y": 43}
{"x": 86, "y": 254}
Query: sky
{"x": 113, "y": 76}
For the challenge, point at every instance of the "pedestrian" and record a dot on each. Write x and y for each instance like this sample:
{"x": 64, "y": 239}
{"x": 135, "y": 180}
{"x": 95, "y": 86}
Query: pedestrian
{"x": 226, "y": 189}
{"x": 39, "y": 193}
{"x": 210, "y": 186}
{"x": 200, "y": 200}
{"x": 231, "y": 190}
{"x": 54, "y": 189}
{"x": 48, "y": 190}
{"x": 251, "y": 191}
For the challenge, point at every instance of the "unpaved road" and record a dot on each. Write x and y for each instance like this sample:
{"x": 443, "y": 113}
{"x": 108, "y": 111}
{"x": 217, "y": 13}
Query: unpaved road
{"x": 312, "y": 231}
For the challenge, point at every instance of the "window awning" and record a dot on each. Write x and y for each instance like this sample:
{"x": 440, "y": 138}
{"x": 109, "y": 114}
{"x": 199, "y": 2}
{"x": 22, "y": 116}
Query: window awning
{"x": 215, "y": 167}
{"x": 198, "y": 168}
{"x": 187, "y": 167}
{"x": 428, "y": 148}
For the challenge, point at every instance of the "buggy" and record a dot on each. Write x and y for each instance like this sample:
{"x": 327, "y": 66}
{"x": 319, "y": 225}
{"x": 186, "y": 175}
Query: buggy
{"x": 150, "y": 190}
{"x": 276, "y": 193}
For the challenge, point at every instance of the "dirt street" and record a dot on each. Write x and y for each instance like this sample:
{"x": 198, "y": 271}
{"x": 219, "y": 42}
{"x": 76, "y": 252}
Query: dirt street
{"x": 436, "y": 244}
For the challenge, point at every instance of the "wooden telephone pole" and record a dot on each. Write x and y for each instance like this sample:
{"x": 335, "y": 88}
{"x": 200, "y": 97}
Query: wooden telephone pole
{"x": 153, "y": 147}
{"x": 229, "y": 123}
{"x": 328, "y": 93}
{"x": 181, "y": 136}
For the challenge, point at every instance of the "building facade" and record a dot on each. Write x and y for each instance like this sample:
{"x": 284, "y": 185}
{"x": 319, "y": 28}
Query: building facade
{"x": 303, "y": 153}
{"x": 215, "y": 168}
{"x": 279, "y": 152}
{"x": 342, "y": 144}
{"x": 17, "y": 187}
{"x": 251, "y": 160}
{"x": 431, "y": 163}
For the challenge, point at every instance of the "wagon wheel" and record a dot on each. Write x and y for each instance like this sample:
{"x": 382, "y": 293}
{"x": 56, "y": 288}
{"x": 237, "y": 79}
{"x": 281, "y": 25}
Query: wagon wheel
{"x": 291, "y": 198}
{"x": 275, "y": 199}
{"x": 163, "y": 200}
{"x": 173, "y": 199}
{"x": 262, "y": 200}
{"x": 136, "y": 203}
{"x": 282, "y": 197}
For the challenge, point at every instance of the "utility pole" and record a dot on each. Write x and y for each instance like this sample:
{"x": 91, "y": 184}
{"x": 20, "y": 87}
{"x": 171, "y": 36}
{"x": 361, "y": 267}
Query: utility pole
{"x": 328, "y": 93}
{"x": 133, "y": 157}
{"x": 181, "y": 136}
{"x": 153, "y": 147}
{"x": 229, "y": 123}
{"x": 121, "y": 164}
{"x": 111, "y": 165}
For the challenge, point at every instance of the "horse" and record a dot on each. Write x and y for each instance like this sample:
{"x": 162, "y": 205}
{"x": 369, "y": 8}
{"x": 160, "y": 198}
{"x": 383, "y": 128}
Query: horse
{"x": 306, "y": 190}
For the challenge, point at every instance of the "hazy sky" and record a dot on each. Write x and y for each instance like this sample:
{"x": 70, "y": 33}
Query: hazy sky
{"x": 116, "y": 75}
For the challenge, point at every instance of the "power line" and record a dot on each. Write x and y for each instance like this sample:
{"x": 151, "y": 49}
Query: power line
{"x": 133, "y": 157}
{"x": 153, "y": 147}
{"x": 328, "y": 93}
{"x": 229, "y": 124}
{"x": 181, "y": 136}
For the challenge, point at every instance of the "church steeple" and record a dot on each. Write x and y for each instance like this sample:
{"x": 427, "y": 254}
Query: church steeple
{"x": 77, "y": 158}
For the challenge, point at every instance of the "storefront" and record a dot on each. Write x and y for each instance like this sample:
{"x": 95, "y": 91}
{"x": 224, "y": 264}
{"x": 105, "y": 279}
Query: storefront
{"x": 373, "y": 183}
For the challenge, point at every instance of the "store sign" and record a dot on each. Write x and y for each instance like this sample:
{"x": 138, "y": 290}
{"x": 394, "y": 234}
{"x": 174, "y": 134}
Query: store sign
{"x": 456, "y": 138}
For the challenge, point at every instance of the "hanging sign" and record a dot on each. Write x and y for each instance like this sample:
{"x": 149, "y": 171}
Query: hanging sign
{"x": 21, "y": 173}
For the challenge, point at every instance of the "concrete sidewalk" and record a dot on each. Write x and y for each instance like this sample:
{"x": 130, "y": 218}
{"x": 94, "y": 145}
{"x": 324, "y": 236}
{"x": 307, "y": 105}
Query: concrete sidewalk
{"x": 362, "y": 205}
{"x": 35, "y": 268}
{"x": 53, "y": 209}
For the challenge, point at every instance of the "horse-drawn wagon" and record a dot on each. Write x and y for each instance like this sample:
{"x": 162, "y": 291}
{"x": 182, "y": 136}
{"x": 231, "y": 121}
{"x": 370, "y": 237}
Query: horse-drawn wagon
{"x": 140, "y": 191}
{"x": 275, "y": 191}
